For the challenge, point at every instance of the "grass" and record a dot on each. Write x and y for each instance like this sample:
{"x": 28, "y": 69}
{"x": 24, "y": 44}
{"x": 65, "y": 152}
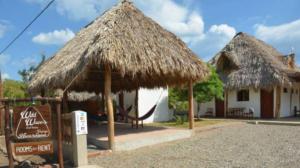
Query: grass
{"x": 198, "y": 123}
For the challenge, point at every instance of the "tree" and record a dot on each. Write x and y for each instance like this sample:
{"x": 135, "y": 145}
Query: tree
{"x": 203, "y": 92}
{"x": 13, "y": 89}
{"x": 27, "y": 74}
{"x": 209, "y": 89}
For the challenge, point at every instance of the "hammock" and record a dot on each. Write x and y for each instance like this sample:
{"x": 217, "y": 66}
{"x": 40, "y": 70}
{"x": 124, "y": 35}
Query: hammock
{"x": 136, "y": 119}
{"x": 144, "y": 117}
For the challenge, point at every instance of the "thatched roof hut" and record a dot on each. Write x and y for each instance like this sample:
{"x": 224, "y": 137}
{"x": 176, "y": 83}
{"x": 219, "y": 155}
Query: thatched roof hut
{"x": 248, "y": 62}
{"x": 139, "y": 52}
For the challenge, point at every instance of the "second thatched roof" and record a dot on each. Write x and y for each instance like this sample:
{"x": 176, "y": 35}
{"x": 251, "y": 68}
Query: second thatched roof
{"x": 248, "y": 62}
{"x": 140, "y": 52}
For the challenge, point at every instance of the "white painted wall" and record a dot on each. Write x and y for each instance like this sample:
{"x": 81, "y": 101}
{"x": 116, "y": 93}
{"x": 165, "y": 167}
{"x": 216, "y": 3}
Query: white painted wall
{"x": 147, "y": 99}
{"x": 254, "y": 101}
{"x": 204, "y": 107}
{"x": 288, "y": 102}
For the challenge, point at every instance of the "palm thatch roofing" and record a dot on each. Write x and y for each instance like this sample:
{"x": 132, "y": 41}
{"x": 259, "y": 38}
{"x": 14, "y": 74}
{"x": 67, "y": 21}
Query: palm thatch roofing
{"x": 140, "y": 52}
{"x": 248, "y": 62}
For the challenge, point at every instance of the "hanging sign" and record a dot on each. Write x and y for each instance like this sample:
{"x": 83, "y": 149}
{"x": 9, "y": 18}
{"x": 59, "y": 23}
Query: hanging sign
{"x": 81, "y": 122}
{"x": 33, "y": 148}
{"x": 32, "y": 122}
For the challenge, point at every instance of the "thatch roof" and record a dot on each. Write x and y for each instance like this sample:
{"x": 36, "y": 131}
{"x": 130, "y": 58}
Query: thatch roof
{"x": 248, "y": 62}
{"x": 140, "y": 52}
{"x": 78, "y": 96}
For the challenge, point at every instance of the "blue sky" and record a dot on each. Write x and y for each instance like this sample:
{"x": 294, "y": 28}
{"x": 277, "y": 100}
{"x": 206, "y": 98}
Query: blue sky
{"x": 205, "y": 25}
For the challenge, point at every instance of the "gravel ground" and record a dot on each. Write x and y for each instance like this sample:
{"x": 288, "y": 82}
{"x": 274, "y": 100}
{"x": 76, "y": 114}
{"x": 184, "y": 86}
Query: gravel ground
{"x": 242, "y": 145}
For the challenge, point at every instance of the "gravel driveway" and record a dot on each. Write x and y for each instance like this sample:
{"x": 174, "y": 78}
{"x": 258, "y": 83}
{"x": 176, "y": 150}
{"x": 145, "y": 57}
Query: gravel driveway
{"x": 242, "y": 145}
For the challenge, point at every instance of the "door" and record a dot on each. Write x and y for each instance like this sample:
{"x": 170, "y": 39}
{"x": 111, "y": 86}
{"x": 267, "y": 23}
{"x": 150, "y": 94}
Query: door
{"x": 219, "y": 108}
{"x": 266, "y": 104}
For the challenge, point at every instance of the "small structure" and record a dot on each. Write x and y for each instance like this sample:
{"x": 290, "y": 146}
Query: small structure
{"x": 122, "y": 50}
{"x": 258, "y": 80}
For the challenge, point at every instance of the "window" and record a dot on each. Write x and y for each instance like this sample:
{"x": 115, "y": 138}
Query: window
{"x": 243, "y": 95}
{"x": 285, "y": 90}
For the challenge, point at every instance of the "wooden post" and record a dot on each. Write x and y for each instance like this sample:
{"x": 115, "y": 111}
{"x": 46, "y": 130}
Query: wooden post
{"x": 191, "y": 106}
{"x": 225, "y": 103}
{"x": 43, "y": 95}
{"x": 277, "y": 101}
{"x": 136, "y": 108}
{"x": 65, "y": 102}
{"x": 7, "y": 135}
{"x": 59, "y": 135}
{"x": 109, "y": 107}
{"x": 291, "y": 99}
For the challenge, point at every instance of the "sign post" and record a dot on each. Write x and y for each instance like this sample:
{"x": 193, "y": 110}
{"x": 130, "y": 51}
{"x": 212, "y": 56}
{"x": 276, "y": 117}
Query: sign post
{"x": 31, "y": 123}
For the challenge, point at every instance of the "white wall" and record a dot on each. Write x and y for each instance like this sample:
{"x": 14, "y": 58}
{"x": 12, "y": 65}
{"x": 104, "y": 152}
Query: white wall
{"x": 287, "y": 105}
{"x": 205, "y": 106}
{"x": 254, "y": 101}
{"x": 147, "y": 99}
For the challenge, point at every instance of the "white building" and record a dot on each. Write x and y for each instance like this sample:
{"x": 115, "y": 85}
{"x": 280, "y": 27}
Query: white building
{"x": 255, "y": 77}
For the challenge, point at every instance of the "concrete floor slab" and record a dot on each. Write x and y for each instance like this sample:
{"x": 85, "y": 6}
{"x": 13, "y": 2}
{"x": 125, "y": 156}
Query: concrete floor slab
{"x": 127, "y": 138}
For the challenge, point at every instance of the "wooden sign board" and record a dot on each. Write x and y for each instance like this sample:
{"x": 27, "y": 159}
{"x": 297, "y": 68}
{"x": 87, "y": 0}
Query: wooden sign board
{"x": 32, "y": 122}
{"x": 33, "y": 148}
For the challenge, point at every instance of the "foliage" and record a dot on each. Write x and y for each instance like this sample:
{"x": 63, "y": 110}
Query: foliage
{"x": 203, "y": 92}
{"x": 27, "y": 74}
{"x": 178, "y": 99}
{"x": 14, "y": 89}
{"x": 209, "y": 89}
{"x": 180, "y": 119}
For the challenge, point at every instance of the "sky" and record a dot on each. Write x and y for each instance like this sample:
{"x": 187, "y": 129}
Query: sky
{"x": 206, "y": 26}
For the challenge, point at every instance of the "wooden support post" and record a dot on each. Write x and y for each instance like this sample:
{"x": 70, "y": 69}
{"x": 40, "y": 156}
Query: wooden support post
{"x": 136, "y": 108}
{"x": 59, "y": 135}
{"x": 43, "y": 95}
{"x": 225, "y": 103}
{"x": 191, "y": 106}
{"x": 277, "y": 101}
{"x": 291, "y": 99}
{"x": 65, "y": 102}
{"x": 7, "y": 135}
{"x": 109, "y": 107}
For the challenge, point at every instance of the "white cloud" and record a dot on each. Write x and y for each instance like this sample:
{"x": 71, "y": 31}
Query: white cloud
{"x": 5, "y": 76}
{"x": 213, "y": 40}
{"x": 189, "y": 25}
{"x": 56, "y": 37}
{"x": 180, "y": 19}
{"x": 3, "y": 27}
{"x": 174, "y": 17}
{"x": 284, "y": 37}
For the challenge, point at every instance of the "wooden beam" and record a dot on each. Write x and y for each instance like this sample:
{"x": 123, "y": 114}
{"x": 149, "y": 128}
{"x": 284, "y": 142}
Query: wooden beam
{"x": 225, "y": 103}
{"x": 59, "y": 135}
{"x": 65, "y": 102}
{"x": 277, "y": 101}
{"x": 291, "y": 99}
{"x": 109, "y": 107}
{"x": 8, "y": 135}
{"x": 191, "y": 106}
